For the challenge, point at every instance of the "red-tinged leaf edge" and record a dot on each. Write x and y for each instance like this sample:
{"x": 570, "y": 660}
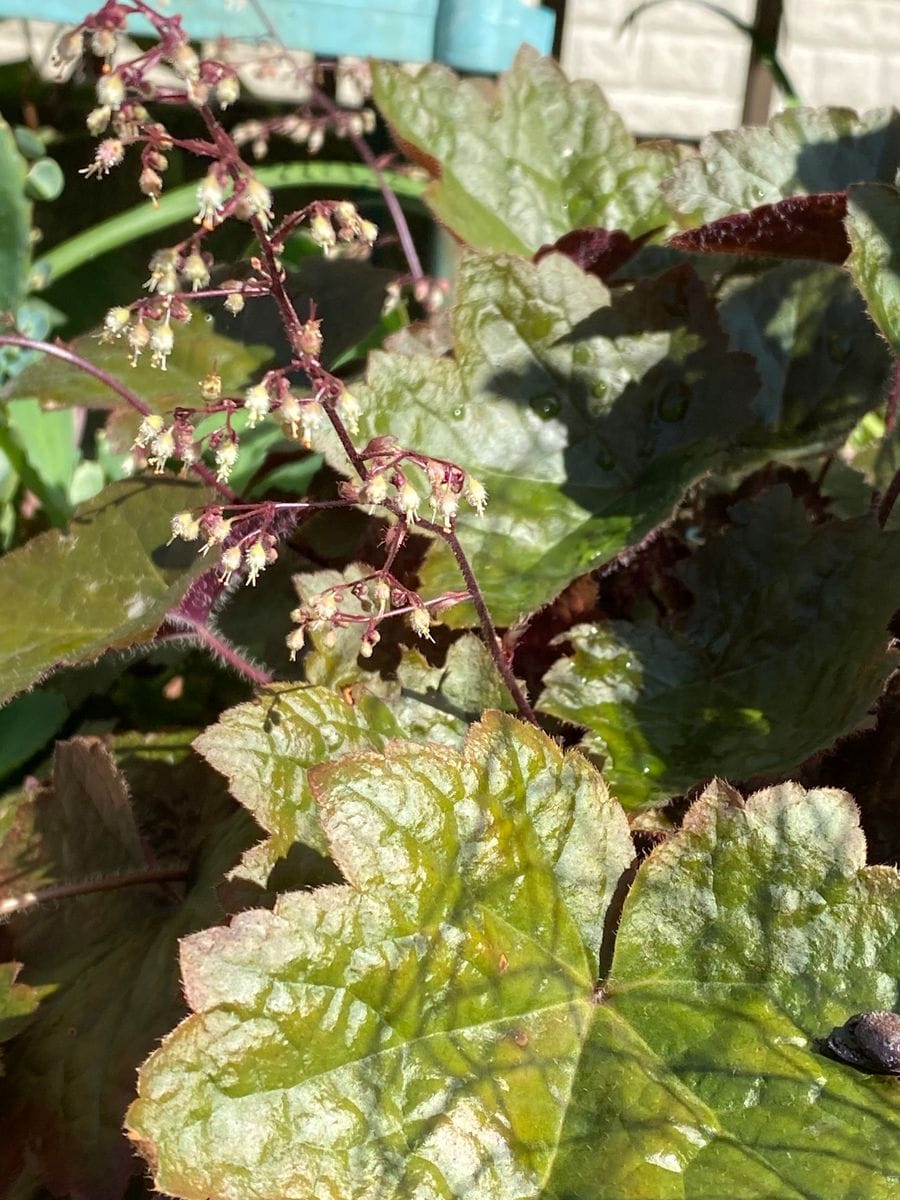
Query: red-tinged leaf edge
{"x": 597, "y": 251}
{"x": 797, "y": 227}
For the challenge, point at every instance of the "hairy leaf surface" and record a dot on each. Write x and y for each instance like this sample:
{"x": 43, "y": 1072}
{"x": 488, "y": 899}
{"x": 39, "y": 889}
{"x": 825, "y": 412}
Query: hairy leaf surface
{"x": 800, "y": 151}
{"x": 873, "y": 223}
{"x": 744, "y": 941}
{"x": 265, "y": 747}
{"x": 585, "y": 415}
{"x": 434, "y": 1028}
{"x": 784, "y": 649}
{"x": 520, "y": 166}
{"x": 107, "y": 583}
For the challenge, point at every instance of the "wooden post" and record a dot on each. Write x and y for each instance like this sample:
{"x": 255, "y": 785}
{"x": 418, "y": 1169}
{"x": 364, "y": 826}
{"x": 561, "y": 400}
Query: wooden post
{"x": 758, "y": 92}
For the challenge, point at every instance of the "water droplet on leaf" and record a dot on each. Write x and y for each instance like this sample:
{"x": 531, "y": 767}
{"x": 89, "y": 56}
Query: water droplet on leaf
{"x": 458, "y": 412}
{"x": 599, "y": 389}
{"x": 545, "y": 406}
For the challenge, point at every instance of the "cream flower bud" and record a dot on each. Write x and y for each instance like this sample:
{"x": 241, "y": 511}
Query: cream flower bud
{"x": 110, "y": 90}
{"x": 115, "y": 323}
{"x": 211, "y": 199}
{"x": 257, "y": 403}
{"x": 234, "y": 303}
{"x": 149, "y": 429}
{"x": 227, "y": 90}
{"x": 195, "y": 271}
{"x": 185, "y": 526}
{"x": 420, "y": 622}
{"x": 226, "y": 457}
{"x": 162, "y": 448}
{"x": 103, "y": 42}
{"x": 295, "y": 640}
{"x": 476, "y": 494}
{"x": 409, "y": 500}
{"x": 257, "y": 560}
{"x": 138, "y": 337}
{"x": 229, "y": 563}
{"x": 162, "y": 339}
{"x": 98, "y": 119}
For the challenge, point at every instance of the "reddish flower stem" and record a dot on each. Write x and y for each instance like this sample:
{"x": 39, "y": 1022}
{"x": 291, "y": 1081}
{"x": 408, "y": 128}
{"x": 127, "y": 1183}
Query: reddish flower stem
{"x": 65, "y": 891}
{"x": 75, "y": 360}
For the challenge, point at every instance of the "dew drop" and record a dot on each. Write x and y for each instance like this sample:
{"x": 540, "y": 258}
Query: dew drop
{"x": 599, "y": 389}
{"x": 540, "y": 327}
{"x": 458, "y": 412}
{"x": 545, "y": 406}
{"x": 673, "y": 403}
{"x": 581, "y": 355}
{"x": 758, "y": 194}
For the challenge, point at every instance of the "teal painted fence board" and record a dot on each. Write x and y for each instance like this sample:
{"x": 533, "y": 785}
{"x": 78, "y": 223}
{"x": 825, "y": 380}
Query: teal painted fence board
{"x": 470, "y": 35}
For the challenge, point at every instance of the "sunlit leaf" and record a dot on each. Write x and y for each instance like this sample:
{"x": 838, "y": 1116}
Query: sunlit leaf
{"x": 800, "y": 151}
{"x": 519, "y": 166}
{"x": 585, "y": 415}
{"x": 447, "y": 1036}
{"x": 454, "y": 1006}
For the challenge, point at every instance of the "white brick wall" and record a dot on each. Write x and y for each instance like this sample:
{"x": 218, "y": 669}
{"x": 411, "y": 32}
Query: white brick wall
{"x": 681, "y": 70}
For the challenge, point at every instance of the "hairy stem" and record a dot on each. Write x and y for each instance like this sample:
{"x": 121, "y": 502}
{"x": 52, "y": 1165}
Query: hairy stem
{"x": 222, "y": 649}
{"x": 504, "y": 666}
{"x": 888, "y": 500}
{"x": 75, "y": 360}
{"x": 64, "y": 891}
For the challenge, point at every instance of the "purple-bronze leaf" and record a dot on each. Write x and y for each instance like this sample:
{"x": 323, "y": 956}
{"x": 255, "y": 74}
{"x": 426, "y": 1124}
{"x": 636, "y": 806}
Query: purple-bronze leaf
{"x": 597, "y": 251}
{"x": 798, "y": 227}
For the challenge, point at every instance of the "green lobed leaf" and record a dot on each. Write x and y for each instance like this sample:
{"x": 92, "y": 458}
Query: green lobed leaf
{"x": 522, "y": 164}
{"x": 821, "y": 364}
{"x": 265, "y": 747}
{"x": 446, "y": 1037}
{"x": 801, "y": 151}
{"x": 743, "y": 942}
{"x": 107, "y": 583}
{"x": 873, "y": 225}
{"x": 15, "y": 222}
{"x": 415, "y": 1031}
{"x": 108, "y": 959}
{"x": 784, "y": 649}
{"x": 585, "y": 414}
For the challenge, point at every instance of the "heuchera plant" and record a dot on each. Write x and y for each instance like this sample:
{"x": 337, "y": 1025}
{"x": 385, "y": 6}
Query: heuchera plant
{"x": 433, "y": 886}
